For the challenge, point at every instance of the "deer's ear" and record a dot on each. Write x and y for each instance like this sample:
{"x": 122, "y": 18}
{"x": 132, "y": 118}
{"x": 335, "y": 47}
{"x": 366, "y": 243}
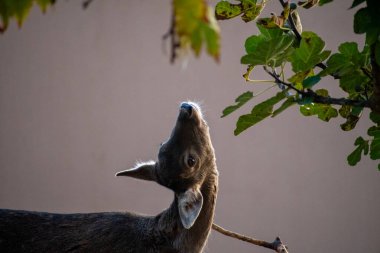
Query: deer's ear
{"x": 189, "y": 205}
{"x": 145, "y": 171}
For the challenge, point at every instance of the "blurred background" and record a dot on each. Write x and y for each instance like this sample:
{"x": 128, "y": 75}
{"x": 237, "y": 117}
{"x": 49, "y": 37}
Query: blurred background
{"x": 86, "y": 93}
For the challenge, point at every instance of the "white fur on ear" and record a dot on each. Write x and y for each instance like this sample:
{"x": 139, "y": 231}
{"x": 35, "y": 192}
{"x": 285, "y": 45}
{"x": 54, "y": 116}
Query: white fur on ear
{"x": 145, "y": 171}
{"x": 189, "y": 206}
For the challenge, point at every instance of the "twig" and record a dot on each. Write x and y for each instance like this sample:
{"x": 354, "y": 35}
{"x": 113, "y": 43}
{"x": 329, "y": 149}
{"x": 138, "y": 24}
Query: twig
{"x": 291, "y": 22}
{"x": 276, "y": 245}
{"x": 86, "y": 3}
{"x": 174, "y": 44}
{"x": 318, "y": 98}
{"x": 299, "y": 38}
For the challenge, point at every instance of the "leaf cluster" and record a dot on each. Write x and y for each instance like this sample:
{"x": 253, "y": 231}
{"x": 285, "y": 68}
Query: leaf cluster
{"x": 280, "y": 41}
{"x": 195, "y": 26}
{"x": 19, "y": 10}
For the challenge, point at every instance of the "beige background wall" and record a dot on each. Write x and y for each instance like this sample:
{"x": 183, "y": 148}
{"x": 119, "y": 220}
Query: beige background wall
{"x": 84, "y": 94}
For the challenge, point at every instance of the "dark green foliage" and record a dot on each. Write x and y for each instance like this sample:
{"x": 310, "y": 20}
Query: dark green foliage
{"x": 355, "y": 156}
{"x": 258, "y": 113}
{"x": 240, "y": 101}
{"x": 277, "y": 44}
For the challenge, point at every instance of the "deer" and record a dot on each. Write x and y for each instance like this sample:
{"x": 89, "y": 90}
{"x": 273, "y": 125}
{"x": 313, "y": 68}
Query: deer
{"x": 186, "y": 165}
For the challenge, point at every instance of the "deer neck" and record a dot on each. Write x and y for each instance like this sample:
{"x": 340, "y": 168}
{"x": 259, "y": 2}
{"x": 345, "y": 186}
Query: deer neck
{"x": 191, "y": 240}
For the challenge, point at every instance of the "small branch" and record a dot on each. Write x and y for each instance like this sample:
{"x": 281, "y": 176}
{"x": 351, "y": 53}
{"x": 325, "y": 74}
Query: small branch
{"x": 86, "y": 3}
{"x": 318, "y": 98}
{"x": 276, "y": 245}
{"x": 174, "y": 44}
{"x": 291, "y": 22}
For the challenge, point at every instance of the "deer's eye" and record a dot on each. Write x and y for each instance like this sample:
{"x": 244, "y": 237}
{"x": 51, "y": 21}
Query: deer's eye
{"x": 191, "y": 161}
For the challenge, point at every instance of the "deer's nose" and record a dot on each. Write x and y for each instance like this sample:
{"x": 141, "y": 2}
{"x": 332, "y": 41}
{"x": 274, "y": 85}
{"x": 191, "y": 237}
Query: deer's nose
{"x": 187, "y": 107}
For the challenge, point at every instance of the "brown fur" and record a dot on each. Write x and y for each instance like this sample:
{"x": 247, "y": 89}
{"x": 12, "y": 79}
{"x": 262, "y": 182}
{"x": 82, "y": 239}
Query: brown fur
{"x": 186, "y": 165}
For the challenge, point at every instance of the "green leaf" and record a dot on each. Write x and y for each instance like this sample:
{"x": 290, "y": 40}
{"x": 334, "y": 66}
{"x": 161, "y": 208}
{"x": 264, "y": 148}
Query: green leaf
{"x": 19, "y": 10}
{"x": 44, "y": 4}
{"x": 323, "y": 111}
{"x": 345, "y": 111}
{"x": 371, "y": 35}
{"x": 323, "y": 2}
{"x": 288, "y": 103}
{"x": 240, "y": 101}
{"x": 374, "y": 153}
{"x": 347, "y": 60}
{"x": 249, "y": 8}
{"x": 270, "y": 33}
{"x": 375, "y": 149}
{"x": 226, "y": 10}
{"x": 297, "y": 78}
{"x": 355, "y": 156}
{"x": 270, "y": 48}
{"x": 350, "y": 123}
{"x": 195, "y": 26}
{"x": 309, "y": 53}
{"x": 258, "y": 113}
{"x": 352, "y": 116}
{"x": 310, "y": 81}
{"x": 353, "y": 82}
{"x": 362, "y": 21}
{"x": 356, "y": 3}
{"x": 374, "y": 131}
{"x": 375, "y": 117}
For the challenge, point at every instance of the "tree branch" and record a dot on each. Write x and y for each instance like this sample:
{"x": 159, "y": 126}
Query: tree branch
{"x": 276, "y": 245}
{"x": 174, "y": 44}
{"x": 318, "y": 98}
{"x": 375, "y": 98}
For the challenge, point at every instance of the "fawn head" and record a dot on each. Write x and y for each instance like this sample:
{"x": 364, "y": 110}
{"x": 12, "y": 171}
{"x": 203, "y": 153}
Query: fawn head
{"x": 184, "y": 162}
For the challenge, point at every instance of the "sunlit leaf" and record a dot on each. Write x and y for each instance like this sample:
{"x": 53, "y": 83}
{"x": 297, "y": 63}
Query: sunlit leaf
{"x": 324, "y": 112}
{"x": 248, "y": 72}
{"x": 297, "y": 78}
{"x": 19, "y": 10}
{"x": 240, "y": 101}
{"x": 226, "y": 10}
{"x": 195, "y": 26}
{"x": 258, "y": 113}
{"x": 248, "y": 9}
